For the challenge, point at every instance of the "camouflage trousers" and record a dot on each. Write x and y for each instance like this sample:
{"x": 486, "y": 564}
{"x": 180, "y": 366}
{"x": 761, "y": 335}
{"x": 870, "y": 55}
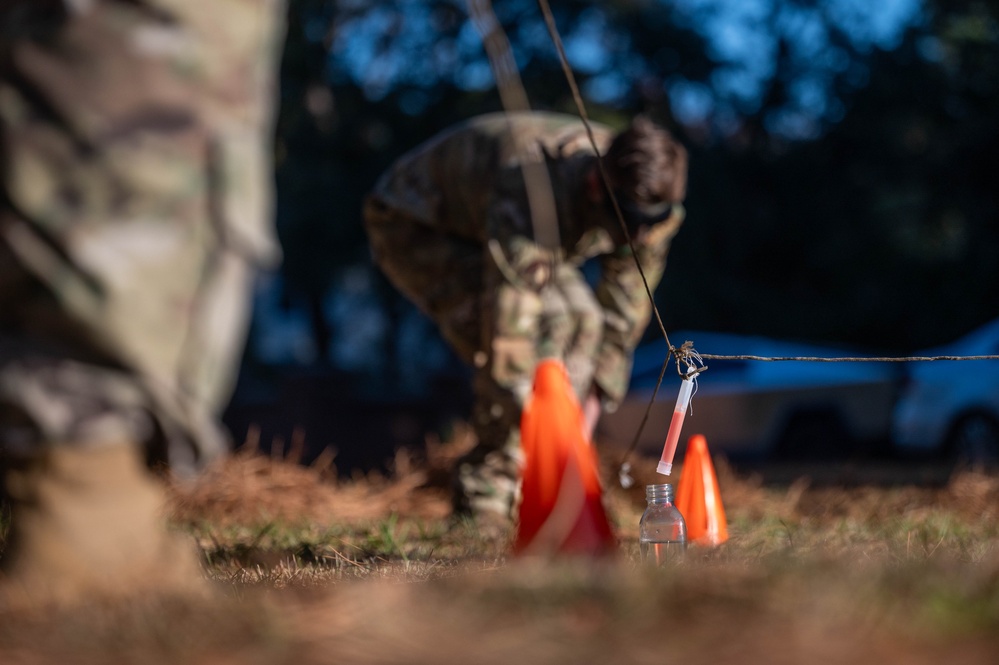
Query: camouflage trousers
{"x": 136, "y": 202}
{"x": 500, "y": 317}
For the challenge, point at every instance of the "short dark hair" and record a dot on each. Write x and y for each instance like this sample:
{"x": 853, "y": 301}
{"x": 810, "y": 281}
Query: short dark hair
{"x": 647, "y": 165}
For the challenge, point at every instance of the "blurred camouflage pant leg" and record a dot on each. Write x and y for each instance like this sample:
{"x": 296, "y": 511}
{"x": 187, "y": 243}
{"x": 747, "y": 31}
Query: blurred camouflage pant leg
{"x": 486, "y": 480}
{"x": 135, "y": 203}
{"x": 444, "y": 276}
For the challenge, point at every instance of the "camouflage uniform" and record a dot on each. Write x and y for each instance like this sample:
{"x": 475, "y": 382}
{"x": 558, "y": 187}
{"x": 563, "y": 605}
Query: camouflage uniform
{"x": 449, "y": 224}
{"x": 135, "y": 180}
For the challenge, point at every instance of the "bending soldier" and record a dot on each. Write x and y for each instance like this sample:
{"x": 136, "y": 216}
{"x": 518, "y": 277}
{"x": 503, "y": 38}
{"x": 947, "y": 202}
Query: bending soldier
{"x": 450, "y": 226}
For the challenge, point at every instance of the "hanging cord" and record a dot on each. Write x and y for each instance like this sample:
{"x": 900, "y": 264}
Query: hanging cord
{"x": 581, "y": 107}
{"x": 683, "y": 355}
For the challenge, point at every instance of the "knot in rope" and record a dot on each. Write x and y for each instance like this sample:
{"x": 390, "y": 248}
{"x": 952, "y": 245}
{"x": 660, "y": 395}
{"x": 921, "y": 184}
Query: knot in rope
{"x": 691, "y": 360}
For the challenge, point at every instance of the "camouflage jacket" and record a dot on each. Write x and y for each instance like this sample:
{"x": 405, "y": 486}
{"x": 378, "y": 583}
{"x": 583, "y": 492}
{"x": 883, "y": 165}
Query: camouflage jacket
{"x": 485, "y": 155}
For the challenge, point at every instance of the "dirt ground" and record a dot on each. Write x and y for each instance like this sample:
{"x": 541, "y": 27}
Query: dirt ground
{"x": 835, "y": 564}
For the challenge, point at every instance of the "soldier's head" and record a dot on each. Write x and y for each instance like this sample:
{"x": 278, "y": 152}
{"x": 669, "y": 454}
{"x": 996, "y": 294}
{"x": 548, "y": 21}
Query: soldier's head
{"x": 647, "y": 169}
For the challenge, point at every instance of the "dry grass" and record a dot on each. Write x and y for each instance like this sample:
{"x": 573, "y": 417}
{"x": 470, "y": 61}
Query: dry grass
{"x": 310, "y": 569}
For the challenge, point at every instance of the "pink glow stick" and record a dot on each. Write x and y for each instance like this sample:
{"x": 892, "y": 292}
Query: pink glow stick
{"x": 673, "y": 436}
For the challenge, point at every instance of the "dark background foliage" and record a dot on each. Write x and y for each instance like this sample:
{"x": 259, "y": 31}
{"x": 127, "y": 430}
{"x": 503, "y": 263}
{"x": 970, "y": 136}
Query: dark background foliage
{"x": 843, "y": 164}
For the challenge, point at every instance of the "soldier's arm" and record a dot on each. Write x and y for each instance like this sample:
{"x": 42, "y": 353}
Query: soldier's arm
{"x": 515, "y": 274}
{"x": 627, "y": 309}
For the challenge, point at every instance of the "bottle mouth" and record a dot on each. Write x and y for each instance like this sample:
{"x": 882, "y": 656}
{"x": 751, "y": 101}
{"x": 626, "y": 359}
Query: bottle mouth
{"x": 663, "y": 491}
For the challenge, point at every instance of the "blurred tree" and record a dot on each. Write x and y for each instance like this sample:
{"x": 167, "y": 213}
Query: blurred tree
{"x": 880, "y": 231}
{"x": 842, "y": 154}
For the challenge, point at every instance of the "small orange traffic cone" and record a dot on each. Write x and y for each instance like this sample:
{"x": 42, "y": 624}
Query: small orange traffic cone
{"x": 561, "y": 509}
{"x": 698, "y": 498}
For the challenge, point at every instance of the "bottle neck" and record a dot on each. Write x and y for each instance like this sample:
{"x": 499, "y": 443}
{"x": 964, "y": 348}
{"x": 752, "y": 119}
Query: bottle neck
{"x": 659, "y": 493}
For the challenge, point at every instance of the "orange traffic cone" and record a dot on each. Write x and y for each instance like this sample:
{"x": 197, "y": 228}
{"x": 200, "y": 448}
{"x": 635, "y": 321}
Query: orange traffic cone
{"x": 698, "y": 498}
{"x": 561, "y": 509}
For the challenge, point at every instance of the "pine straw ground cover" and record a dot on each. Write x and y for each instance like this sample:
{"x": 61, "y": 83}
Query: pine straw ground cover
{"x": 308, "y": 569}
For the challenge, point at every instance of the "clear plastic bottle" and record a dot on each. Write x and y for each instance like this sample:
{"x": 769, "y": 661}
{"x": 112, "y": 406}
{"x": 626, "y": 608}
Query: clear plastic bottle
{"x": 662, "y": 533}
